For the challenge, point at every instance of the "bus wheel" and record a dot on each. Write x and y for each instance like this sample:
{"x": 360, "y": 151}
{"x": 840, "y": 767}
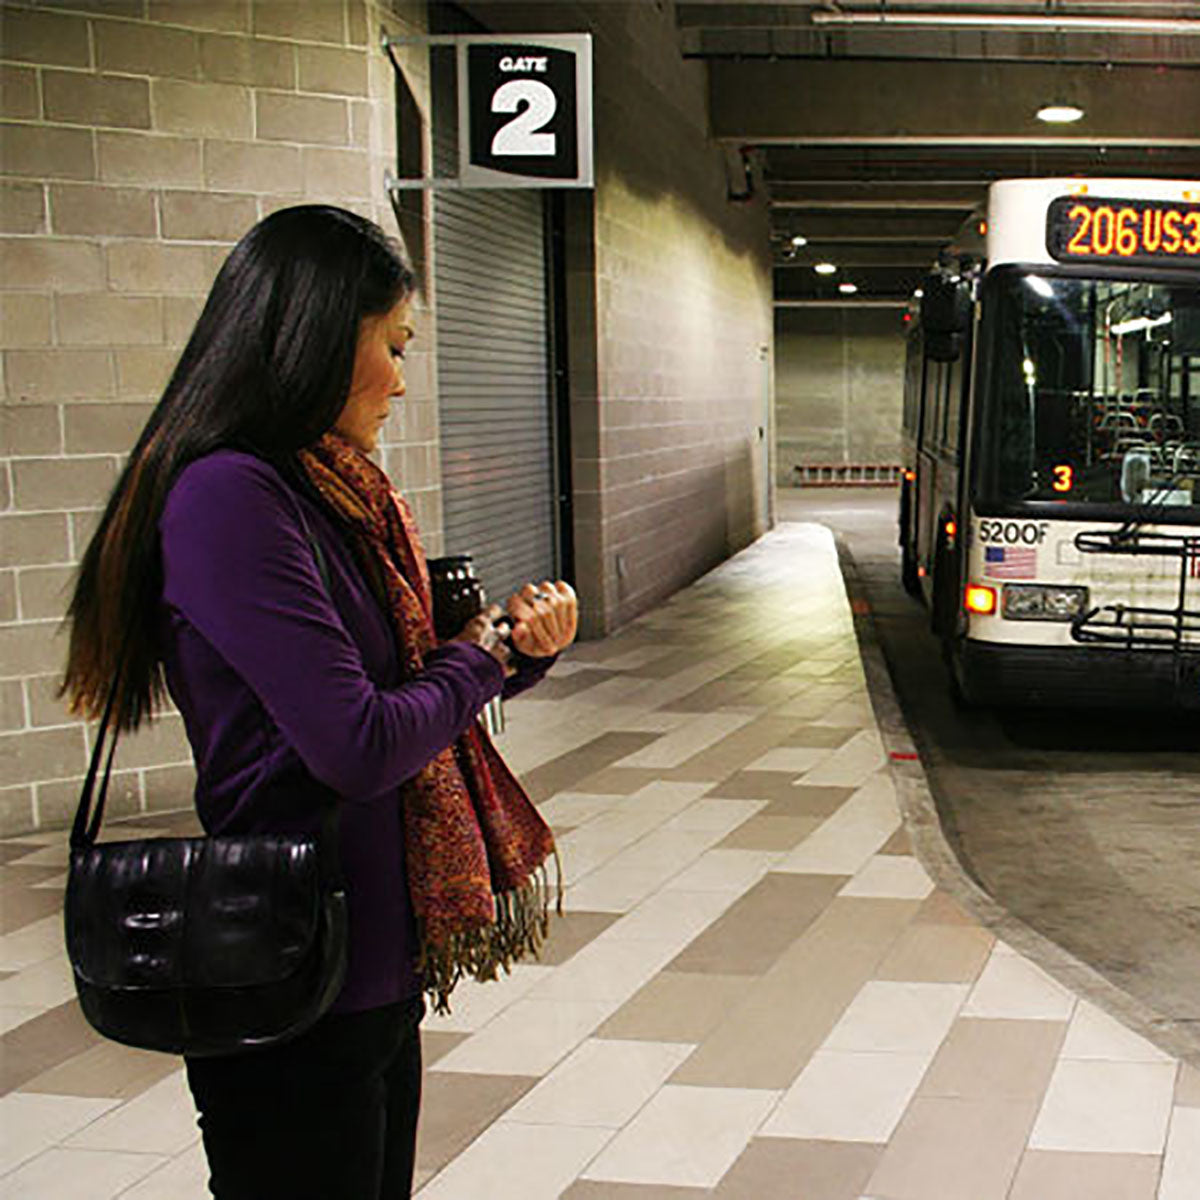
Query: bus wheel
{"x": 944, "y": 608}
{"x": 945, "y": 622}
{"x": 908, "y": 555}
{"x": 961, "y": 698}
{"x": 908, "y": 570}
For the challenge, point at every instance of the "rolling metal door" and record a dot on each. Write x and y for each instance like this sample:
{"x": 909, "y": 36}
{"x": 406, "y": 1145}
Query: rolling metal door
{"x": 497, "y": 436}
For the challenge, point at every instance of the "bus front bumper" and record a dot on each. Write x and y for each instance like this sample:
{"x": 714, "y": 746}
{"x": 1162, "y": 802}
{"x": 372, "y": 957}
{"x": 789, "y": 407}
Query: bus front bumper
{"x": 1083, "y": 676}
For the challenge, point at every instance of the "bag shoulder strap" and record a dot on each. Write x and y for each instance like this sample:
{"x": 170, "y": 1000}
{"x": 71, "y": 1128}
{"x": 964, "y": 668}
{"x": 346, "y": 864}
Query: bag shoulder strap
{"x": 88, "y": 816}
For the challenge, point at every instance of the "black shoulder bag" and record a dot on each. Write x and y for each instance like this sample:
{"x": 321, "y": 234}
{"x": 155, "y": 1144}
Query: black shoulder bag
{"x": 205, "y": 945}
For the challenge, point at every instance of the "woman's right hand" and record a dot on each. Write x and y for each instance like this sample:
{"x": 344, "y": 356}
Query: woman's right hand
{"x": 481, "y": 631}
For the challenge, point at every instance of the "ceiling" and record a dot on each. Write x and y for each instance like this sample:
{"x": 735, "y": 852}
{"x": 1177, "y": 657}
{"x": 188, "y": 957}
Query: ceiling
{"x": 875, "y": 127}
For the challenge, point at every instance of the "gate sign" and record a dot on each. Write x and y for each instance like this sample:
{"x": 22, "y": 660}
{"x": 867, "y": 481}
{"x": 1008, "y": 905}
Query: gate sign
{"x": 525, "y": 111}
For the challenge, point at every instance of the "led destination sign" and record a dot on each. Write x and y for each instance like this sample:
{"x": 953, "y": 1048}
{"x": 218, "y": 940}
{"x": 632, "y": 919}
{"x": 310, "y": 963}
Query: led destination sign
{"x": 1096, "y": 229}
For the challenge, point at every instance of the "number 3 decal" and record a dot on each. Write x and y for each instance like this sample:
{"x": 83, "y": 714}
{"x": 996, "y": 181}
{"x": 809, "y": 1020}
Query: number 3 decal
{"x": 520, "y": 135}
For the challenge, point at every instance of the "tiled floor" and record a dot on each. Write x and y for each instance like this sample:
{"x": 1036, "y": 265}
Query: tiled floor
{"x": 757, "y": 993}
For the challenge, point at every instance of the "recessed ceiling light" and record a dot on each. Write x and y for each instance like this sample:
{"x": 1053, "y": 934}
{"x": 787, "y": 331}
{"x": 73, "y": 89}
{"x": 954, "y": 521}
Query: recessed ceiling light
{"x": 825, "y": 268}
{"x": 799, "y": 240}
{"x": 918, "y": 293}
{"x": 847, "y": 289}
{"x": 1059, "y": 114}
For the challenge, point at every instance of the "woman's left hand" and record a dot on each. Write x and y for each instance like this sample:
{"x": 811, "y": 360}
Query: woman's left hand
{"x": 545, "y": 618}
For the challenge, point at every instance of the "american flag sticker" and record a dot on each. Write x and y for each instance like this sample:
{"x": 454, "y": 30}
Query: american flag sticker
{"x": 1009, "y": 562}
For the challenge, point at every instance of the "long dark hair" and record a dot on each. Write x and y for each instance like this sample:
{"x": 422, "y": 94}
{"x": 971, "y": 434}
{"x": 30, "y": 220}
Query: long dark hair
{"x": 267, "y": 369}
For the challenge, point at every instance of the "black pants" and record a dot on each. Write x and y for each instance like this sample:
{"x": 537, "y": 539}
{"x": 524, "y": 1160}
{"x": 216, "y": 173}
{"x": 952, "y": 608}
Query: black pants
{"x": 331, "y": 1115}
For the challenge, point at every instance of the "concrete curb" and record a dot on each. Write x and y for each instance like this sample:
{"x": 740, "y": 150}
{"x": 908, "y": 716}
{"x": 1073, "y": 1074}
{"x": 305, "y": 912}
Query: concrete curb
{"x": 935, "y": 853}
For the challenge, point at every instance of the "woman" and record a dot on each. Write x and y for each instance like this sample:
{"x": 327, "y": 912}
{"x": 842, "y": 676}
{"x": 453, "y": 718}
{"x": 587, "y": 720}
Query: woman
{"x": 277, "y": 589}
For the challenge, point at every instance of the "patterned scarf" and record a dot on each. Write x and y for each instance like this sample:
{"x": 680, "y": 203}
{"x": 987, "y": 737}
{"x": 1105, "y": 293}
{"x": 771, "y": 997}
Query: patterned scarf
{"x": 476, "y": 848}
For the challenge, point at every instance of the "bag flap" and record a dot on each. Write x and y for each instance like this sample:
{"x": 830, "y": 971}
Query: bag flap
{"x": 194, "y": 912}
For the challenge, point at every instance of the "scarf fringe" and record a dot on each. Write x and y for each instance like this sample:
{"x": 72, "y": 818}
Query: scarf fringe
{"x": 520, "y": 929}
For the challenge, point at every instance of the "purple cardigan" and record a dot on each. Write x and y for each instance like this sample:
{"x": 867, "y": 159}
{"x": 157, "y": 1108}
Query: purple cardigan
{"x": 292, "y": 694}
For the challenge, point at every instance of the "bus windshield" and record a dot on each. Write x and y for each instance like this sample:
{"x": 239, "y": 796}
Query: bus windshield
{"x": 1093, "y": 393}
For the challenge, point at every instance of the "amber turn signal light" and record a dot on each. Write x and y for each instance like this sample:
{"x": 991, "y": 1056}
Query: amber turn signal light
{"x": 980, "y": 599}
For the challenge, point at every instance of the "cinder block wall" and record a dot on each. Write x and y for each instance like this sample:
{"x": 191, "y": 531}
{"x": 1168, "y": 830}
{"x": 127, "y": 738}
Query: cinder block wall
{"x": 684, "y": 323}
{"x": 684, "y": 390}
{"x": 839, "y": 380}
{"x": 670, "y": 308}
{"x": 141, "y": 138}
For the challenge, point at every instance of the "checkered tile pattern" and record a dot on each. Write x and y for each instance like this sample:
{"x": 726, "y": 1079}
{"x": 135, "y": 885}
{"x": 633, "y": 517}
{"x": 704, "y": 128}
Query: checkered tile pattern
{"x": 757, "y": 991}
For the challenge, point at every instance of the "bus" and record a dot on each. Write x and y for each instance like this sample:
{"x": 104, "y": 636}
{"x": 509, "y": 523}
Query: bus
{"x": 1050, "y": 496}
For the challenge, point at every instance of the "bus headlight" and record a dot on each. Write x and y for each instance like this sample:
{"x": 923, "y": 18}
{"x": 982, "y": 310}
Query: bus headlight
{"x": 1043, "y": 602}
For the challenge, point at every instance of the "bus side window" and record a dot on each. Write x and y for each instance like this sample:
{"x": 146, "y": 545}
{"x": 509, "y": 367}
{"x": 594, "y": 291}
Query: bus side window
{"x": 913, "y": 365}
{"x": 945, "y": 402}
{"x": 954, "y": 389}
{"x": 931, "y": 425}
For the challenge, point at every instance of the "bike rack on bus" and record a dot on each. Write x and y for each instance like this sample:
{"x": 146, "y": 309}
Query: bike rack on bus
{"x": 1138, "y": 626}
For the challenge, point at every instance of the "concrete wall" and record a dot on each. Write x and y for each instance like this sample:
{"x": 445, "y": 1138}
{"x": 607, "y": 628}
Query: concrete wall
{"x": 140, "y": 140}
{"x": 670, "y": 311}
{"x": 839, "y": 377}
